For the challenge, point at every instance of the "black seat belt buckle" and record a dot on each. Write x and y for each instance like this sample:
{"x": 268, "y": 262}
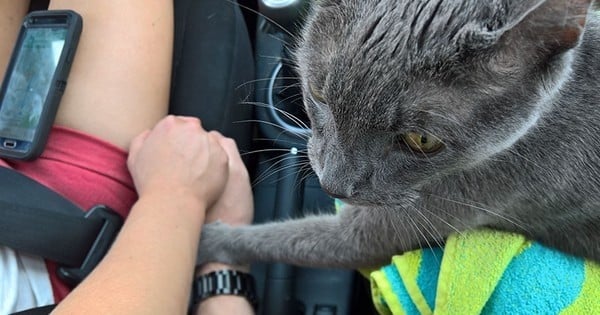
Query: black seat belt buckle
{"x": 108, "y": 232}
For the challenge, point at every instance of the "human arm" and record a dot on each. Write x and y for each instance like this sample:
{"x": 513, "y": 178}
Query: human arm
{"x": 179, "y": 170}
{"x": 235, "y": 207}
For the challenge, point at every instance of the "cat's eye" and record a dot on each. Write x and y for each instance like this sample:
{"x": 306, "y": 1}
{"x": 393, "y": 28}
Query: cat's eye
{"x": 316, "y": 94}
{"x": 422, "y": 142}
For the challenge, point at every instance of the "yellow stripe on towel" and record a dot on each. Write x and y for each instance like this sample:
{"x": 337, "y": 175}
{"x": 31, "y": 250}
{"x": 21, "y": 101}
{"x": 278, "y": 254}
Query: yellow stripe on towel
{"x": 409, "y": 265}
{"x": 466, "y": 289}
{"x": 384, "y": 299}
{"x": 588, "y": 301}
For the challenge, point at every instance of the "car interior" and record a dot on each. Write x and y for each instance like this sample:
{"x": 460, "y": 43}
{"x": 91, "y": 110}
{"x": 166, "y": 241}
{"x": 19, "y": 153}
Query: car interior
{"x": 237, "y": 75}
{"x": 284, "y": 185}
{"x": 271, "y": 128}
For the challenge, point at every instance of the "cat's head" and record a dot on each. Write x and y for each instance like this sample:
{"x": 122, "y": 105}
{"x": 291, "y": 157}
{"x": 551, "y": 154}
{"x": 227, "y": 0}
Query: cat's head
{"x": 400, "y": 92}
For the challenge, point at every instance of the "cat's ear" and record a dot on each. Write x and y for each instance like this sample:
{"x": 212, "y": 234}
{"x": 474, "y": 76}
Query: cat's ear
{"x": 552, "y": 26}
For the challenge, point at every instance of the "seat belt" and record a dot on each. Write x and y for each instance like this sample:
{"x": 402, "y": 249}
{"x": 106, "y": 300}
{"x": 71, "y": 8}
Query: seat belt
{"x": 38, "y": 221}
{"x": 43, "y": 310}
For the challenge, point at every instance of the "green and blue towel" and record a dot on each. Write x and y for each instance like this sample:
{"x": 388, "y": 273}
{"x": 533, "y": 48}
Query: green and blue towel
{"x": 486, "y": 272}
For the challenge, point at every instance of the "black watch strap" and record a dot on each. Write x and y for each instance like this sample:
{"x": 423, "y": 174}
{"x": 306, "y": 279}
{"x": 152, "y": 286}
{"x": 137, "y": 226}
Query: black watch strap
{"x": 225, "y": 282}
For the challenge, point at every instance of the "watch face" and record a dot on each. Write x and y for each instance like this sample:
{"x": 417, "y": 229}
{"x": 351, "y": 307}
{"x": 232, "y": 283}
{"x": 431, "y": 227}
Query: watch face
{"x": 225, "y": 282}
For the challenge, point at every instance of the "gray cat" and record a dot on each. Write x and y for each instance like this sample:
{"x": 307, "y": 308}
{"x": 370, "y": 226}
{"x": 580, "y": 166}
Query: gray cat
{"x": 431, "y": 117}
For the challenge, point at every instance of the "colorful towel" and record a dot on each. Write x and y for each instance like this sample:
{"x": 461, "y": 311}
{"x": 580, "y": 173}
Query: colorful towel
{"x": 487, "y": 272}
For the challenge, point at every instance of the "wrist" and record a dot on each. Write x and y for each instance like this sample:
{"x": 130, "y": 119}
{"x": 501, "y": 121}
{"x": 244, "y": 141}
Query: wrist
{"x": 173, "y": 201}
{"x": 225, "y": 304}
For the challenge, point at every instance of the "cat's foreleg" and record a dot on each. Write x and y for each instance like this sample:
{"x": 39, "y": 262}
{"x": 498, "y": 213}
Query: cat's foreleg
{"x": 358, "y": 237}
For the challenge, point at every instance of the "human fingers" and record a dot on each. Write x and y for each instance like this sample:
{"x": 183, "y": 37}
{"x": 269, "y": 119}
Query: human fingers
{"x": 136, "y": 145}
{"x": 235, "y": 205}
{"x": 217, "y": 170}
{"x": 175, "y": 153}
{"x": 231, "y": 148}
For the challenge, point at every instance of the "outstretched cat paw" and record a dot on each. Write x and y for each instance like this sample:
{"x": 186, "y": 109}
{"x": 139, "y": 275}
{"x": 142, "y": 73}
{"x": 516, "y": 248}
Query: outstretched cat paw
{"x": 215, "y": 244}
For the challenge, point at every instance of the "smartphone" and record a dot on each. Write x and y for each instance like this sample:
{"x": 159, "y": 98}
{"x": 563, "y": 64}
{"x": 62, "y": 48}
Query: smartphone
{"x": 35, "y": 79}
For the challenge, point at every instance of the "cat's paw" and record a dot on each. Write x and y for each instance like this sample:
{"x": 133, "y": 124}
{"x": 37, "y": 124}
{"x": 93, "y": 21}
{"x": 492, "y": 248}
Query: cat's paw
{"x": 215, "y": 244}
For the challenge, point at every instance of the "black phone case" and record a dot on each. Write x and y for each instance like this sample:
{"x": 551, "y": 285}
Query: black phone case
{"x": 40, "y": 19}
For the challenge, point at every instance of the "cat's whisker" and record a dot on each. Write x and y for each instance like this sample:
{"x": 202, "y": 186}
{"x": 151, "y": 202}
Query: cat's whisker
{"x": 263, "y": 151}
{"x": 433, "y": 230}
{"x": 307, "y": 170}
{"x": 264, "y": 16}
{"x": 297, "y": 134}
{"x": 291, "y": 166}
{"x": 284, "y": 88}
{"x": 276, "y": 168}
{"x": 301, "y": 176}
{"x": 284, "y": 42}
{"x": 284, "y": 78}
{"x": 428, "y": 231}
{"x": 250, "y": 82}
{"x": 416, "y": 231}
{"x": 299, "y": 153}
{"x": 293, "y": 96}
{"x": 291, "y": 143}
{"x": 296, "y": 120}
{"x": 290, "y": 99}
{"x": 260, "y": 122}
{"x": 257, "y": 104}
{"x": 277, "y": 58}
{"x": 308, "y": 167}
{"x": 294, "y": 165}
{"x": 283, "y": 129}
{"x": 506, "y": 218}
{"x": 296, "y": 174}
{"x": 268, "y": 89}
{"x": 274, "y": 158}
{"x": 398, "y": 231}
{"x": 450, "y": 225}
{"x": 271, "y": 170}
{"x": 260, "y": 80}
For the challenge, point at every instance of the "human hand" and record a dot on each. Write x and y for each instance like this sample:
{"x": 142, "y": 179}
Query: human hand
{"x": 235, "y": 206}
{"x": 178, "y": 157}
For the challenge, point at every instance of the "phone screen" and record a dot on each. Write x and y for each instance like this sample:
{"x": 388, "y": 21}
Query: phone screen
{"x": 29, "y": 83}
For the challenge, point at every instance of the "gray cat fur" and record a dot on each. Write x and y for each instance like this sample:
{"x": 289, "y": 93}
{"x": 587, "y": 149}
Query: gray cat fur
{"x": 510, "y": 87}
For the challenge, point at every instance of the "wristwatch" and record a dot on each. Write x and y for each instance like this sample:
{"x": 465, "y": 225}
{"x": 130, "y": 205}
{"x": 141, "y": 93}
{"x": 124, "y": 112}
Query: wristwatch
{"x": 225, "y": 282}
